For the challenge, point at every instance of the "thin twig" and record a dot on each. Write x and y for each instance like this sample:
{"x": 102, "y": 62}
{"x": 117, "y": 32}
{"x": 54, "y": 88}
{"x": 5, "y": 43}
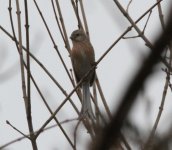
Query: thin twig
{"x": 161, "y": 16}
{"x": 17, "y": 130}
{"x": 150, "y": 142}
{"x": 63, "y": 26}
{"x": 57, "y": 20}
{"x": 128, "y": 5}
{"x": 29, "y": 116}
{"x": 144, "y": 28}
{"x": 84, "y": 19}
{"x": 75, "y": 8}
{"x": 28, "y": 57}
{"x": 147, "y": 22}
{"x": 27, "y": 102}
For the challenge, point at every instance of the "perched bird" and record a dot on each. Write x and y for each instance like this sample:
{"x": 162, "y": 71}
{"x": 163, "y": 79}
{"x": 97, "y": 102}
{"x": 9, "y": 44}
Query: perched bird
{"x": 83, "y": 59}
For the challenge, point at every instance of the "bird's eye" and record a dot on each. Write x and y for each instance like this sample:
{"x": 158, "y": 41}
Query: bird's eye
{"x": 77, "y": 34}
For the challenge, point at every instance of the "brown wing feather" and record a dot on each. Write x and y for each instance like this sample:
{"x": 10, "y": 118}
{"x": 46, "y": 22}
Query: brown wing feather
{"x": 83, "y": 53}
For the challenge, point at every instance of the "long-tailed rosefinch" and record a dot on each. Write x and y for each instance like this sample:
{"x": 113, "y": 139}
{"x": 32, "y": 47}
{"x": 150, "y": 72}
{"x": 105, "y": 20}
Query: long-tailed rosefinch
{"x": 83, "y": 59}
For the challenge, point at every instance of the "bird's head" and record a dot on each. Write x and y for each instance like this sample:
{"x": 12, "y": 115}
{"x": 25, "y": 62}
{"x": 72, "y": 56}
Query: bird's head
{"x": 78, "y": 36}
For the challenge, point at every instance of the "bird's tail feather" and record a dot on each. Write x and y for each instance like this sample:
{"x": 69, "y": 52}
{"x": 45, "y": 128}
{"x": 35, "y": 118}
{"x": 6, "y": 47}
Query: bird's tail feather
{"x": 86, "y": 102}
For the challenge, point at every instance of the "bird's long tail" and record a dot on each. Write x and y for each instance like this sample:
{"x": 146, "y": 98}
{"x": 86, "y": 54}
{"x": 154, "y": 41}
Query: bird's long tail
{"x": 86, "y": 103}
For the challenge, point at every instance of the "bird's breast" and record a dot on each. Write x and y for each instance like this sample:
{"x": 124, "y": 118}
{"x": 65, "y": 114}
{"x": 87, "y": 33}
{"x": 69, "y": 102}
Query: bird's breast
{"x": 82, "y": 59}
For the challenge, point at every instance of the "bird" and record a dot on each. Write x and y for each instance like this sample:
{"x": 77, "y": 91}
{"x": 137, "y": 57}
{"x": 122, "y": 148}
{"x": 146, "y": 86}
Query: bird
{"x": 83, "y": 59}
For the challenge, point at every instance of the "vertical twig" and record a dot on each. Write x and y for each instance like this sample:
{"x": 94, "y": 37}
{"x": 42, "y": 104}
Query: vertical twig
{"x": 28, "y": 57}
{"x": 58, "y": 23}
{"x": 161, "y": 16}
{"x": 75, "y": 7}
{"x": 63, "y": 26}
{"x": 27, "y": 102}
{"x": 84, "y": 18}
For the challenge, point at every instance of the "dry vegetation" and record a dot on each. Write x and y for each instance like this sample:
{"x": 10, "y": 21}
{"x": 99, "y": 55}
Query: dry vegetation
{"x": 115, "y": 131}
